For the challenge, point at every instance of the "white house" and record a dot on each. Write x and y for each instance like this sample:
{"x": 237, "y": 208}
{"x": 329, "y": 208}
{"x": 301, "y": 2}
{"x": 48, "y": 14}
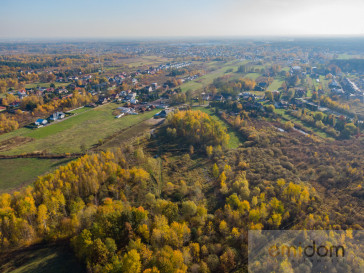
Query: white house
{"x": 40, "y": 121}
{"x": 131, "y": 96}
{"x": 57, "y": 116}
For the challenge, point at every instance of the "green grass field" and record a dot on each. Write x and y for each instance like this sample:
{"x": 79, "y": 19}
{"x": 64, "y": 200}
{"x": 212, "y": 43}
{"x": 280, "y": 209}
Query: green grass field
{"x": 145, "y": 61}
{"x": 324, "y": 82}
{"x": 80, "y": 110}
{"x": 275, "y": 85}
{"x": 207, "y": 79}
{"x": 46, "y": 85}
{"x": 85, "y": 128}
{"x": 234, "y": 141}
{"x": 252, "y": 76}
{"x": 346, "y": 56}
{"x": 18, "y": 172}
{"x": 44, "y": 260}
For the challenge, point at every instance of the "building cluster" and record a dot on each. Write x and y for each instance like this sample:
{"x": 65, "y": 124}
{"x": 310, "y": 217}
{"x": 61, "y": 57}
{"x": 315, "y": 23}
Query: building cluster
{"x": 351, "y": 88}
{"x": 54, "y": 117}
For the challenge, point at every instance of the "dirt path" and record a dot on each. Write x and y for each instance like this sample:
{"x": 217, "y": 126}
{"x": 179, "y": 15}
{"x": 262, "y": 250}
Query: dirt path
{"x": 130, "y": 133}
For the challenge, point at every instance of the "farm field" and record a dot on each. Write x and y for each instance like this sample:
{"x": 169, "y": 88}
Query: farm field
{"x": 208, "y": 78}
{"x": 275, "y": 85}
{"x": 85, "y": 128}
{"x": 18, "y": 172}
{"x": 252, "y": 76}
{"x": 145, "y": 60}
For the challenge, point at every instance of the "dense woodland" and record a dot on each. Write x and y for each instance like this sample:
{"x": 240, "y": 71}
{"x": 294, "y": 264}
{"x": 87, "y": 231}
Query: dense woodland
{"x": 189, "y": 208}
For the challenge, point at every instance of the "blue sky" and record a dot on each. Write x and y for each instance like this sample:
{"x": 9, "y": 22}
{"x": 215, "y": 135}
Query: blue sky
{"x": 171, "y": 18}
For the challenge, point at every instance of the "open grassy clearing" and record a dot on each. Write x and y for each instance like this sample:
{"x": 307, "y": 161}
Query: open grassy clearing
{"x": 275, "y": 85}
{"x": 18, "y": 172}
{"x": 346, "y": 56}
{"x": 234, "y": 141}
{"x": 257, "y": 93}
{"x": 324, "y": 82}
{"x": 46, "y": 85}
{"x": 214, "y": 64}
{"x": 130, "y": 133}
{"x": 80, "y": 110}
{"x": 208, "y": 78}
{"x": 67, "y": 136}
{"x": 44, "y": 260}
{"x": 145, "y": 60}
{"x": 252, "y": 76}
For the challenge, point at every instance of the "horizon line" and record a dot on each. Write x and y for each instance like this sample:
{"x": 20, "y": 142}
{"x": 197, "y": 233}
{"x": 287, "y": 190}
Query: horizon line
{"x": 182, "y": 37}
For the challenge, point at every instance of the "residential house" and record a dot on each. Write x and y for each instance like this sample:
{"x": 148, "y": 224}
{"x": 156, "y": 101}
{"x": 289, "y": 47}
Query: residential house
{"x": 296, "y": 70}
{"x": 148, "y": 89}
{"x": 334, "y": 85}
{"x": 22, "y": 94}
{"x": 247, "y": 95}
{"x": 102, "y": 100}
{"x": 57, "y": 116}
{"x": 14, "y": 104}
{"x": 40, "y": 122}
{"x": 127, "y": 110}
{"x": 123, "y": 94}
{"x": 61, "y": 91}
{"x": 130, "y": 96}
{"x": 154, "y": 86}
{"x": 114, "y": 97}
{"x": 206, "y": 97}
{"x": 134, "y": 101}
{"x": 218, "y": 98}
